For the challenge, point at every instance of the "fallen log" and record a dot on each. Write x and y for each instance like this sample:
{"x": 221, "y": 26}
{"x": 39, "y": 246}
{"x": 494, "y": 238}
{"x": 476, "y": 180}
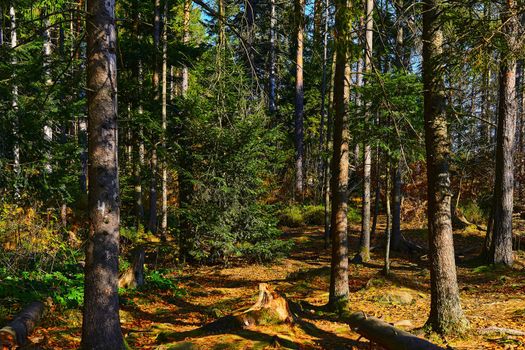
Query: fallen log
{"x": 385, "y": 334}
{"x": 16, "y": 332}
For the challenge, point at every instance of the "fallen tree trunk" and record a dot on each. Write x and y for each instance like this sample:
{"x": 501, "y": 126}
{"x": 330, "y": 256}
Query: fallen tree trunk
{"x": 16, "y": 332}
{"x": 384, "y": 334}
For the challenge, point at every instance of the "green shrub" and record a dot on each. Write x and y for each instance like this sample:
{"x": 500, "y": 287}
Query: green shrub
{"x": 313, "y": 214}
{"x": 353, "y": 215}
{"x": 267, "y": 250}
{"x": 65, "y": 289}
{"x": 291, "y": 217}
{"x": 161, "y": 280}
{"x": 474, "y": 213}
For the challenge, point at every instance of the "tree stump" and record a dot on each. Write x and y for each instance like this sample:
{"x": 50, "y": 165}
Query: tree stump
{"x": 271, "y": 308}
{"x": 133, "y": 277}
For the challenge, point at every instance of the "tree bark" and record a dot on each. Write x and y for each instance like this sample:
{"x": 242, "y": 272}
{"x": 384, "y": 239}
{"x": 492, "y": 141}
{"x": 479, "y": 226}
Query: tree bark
{"x": 364, "y": 242}
{"x": 446, "y": 315}
{"x": 501, "y": 243}
{"x": 299, "y": 101}
{"x": 339, "y": 264}
{"x": 385, "y": 334}
{"x": 152, "y": 224}
{"x": 164, "y": 182}
{"x": 397, "y": 239}
{"x": 14, "y": 102}
{"x": 272, "y": 104}
{"x": 185, "y": 41}
{"x": 101, "y": 324}
{"x": 388, "y": 231}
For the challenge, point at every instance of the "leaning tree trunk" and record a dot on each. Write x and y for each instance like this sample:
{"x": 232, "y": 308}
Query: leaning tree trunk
{"x": 339, "y": 265}
{"x": 101, "y": 324}
{"x": 299, "y": 101}
{"x": 446, "y": 315}
{"x": 501, "y": 243}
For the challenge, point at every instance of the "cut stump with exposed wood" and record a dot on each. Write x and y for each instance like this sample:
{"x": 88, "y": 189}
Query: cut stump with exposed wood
{"x": 16, "y": 333}
{"x": 271, "y": 308}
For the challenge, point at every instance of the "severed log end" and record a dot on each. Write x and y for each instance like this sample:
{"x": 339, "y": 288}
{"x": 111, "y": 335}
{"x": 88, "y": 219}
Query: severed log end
{"x": 385, "y": 334}
{"x": 16, "y": 332}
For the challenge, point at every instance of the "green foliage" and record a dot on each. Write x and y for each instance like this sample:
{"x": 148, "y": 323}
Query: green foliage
{"x": 229, "y": 156}
{"x": 66, "y": 289}
{"x": 163, "y": 280}
{"x": 353, "y": 215}
{"x": 291, "y": 216}
{"x": 474, "y": 213}
{"x": 313, "y": 214}
{"x": 297, "y": 216}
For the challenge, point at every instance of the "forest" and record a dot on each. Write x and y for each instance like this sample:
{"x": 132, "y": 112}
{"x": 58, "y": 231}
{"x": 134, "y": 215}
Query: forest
{"x": 262, "y": 174}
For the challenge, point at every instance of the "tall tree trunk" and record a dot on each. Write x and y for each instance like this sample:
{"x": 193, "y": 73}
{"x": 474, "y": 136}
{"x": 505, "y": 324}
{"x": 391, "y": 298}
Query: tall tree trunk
{"x": 1, "y": 26}
{"x": 101, "y": 324}
{"x": 501, "y": 243}
{"x": 339, "y": 265}
{"x": 364, "y": 245}
{"x": 396, "y": 213}
{"x": 186, "y": 40}
{"x": 388, "y": 231}
{"x": 446, "y": 315}
{"x": 164, "y": 184}
{"x": 47, "y": 50}
{"x": 299, "y": 101}
{"x": 377, "y": 195}
{"x": 139, "y": 163}
{"x": 152, "y": 225}
{"x": 402, "y": 62}
{"x": 272, "y": 105}
{"x": 14, "y": 102}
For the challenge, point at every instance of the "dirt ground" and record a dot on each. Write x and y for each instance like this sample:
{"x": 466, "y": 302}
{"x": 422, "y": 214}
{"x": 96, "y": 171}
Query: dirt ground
{"x": 168, "y": 320}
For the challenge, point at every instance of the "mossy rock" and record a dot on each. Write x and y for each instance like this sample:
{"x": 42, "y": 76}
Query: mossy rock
{"x": 397, "y": 297}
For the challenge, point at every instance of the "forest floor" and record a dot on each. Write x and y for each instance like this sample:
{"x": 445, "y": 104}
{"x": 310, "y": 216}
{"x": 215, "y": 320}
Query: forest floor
{"x": 168, "y": 320}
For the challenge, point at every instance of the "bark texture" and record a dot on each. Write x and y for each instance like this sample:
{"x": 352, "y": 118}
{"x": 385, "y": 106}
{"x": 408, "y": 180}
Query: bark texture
{"x": 299, "y": 100}
{"x": 501, "y": 242}
{"x": 364, "y": 242}
{"x": 339, "y": 264}
{"x": 385, "y": 334}
{"x": 446, "y": 315}
{"x": 101, "y": 324}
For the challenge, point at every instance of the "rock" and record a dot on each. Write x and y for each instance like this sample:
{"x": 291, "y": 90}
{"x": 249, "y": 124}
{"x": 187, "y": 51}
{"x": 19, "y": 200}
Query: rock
{"x": 398, "y": 297}
{"x": 404, "y": 324}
